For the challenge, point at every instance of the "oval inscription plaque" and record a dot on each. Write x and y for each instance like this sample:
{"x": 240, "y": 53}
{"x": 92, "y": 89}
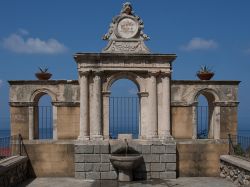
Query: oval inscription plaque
{"x": 127, "y": 28}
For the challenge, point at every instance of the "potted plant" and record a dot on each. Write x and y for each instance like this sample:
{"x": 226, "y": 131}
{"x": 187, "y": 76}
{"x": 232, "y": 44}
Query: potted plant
{"x": 43, "y": 74}
{"x": 205, "y": 73}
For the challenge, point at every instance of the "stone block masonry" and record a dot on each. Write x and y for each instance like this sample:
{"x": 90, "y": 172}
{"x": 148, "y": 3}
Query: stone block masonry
{"x": 92, "y": 159}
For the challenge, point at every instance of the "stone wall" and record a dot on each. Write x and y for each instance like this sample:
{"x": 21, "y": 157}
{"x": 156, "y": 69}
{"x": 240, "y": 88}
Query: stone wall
{"x": 182, "y": 122}
{"x": 13, "y": 170}
{"x": 50, "y": 158}
{"x": 68, "y": 121}
{"x": 20, "y": 121}
{"x": 235, "y": 169}
{"x": 199, "y": 158}
{"x": 92, "y": 160}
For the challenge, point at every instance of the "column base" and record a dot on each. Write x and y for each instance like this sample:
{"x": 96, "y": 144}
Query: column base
{"x": 96, "y": 137}
{"x": 83, "y": 138}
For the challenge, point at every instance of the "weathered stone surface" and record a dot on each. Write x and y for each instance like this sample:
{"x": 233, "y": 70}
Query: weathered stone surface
{"x": 145, "y": 149}
{"x": 157, "y": 149}
{"x": 168, "y": 175}
{"x": 105, "y": 158}
{"x": 155, "y": 175}
{"x": 151, "y": 157}
{"x": 79, "y": 157}
{"x": 80, "y": 175}
{"x": 105, "y": 167}
{"x": 170, "y": 166}
{"x": 93, "y": 175}
{"x": 105, "y": 149}
{"x": 92, "y": 158}
{"x": 84, "y": 149}
{"x": 171, "y": 148}
{"x": 157, "y": 167}
{"x": 168, "y": 158}
{"x": 109, "y": 175}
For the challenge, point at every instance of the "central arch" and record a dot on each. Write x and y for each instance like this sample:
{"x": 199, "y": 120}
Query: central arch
{"x": 124, "y": 108}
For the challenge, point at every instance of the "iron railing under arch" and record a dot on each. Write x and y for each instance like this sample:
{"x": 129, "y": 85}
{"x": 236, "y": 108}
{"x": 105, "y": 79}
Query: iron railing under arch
{"x": 45, "y": 122}
{"x": 202, "y": 122}
{"x": 123, "y": 116}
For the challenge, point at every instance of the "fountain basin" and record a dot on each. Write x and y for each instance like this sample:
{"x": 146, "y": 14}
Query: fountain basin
{"x": 125, "y": 164}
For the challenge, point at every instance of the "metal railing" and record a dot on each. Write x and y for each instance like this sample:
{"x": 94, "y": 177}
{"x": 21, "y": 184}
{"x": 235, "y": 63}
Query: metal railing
{"x": 11, "y": 146}
{"x": 123, "y": 116}
{"x": 45, "y": 122}
{"x": 239, "y": 146}
{"x": 202, "y": 122}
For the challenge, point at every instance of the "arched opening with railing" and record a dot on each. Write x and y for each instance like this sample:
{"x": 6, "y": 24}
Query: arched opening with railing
{"x": 207, "y": 115}
{"x": 42, "y": 115}
{"x": 124, "y": 108}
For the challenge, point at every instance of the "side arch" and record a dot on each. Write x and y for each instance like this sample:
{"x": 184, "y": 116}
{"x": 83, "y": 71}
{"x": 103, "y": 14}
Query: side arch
{"x": 37, "y": 94}
{"x": 212, "y": 97}
{"x": 34, "y": 113}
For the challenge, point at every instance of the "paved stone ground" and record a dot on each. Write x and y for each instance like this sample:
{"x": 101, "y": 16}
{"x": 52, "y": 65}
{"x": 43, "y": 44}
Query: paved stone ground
{"x": 180, "y": 182}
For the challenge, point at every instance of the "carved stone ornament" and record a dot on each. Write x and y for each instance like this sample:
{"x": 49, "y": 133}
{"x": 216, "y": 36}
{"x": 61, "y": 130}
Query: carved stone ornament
{"x": 125, "y": 33}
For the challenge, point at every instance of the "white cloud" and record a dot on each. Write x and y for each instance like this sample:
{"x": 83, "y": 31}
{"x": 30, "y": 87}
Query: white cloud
{"x": 199, "y": 44}
{"x": 19, "y": 44}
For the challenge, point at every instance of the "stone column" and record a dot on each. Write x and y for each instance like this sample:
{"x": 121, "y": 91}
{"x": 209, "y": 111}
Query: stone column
{"x": 96, "y": 108}
{"x": 164, "y": 117}
{"x": 31, "y": 122}
{"x": 106, "y": 114}
{"x": 143, "y": 125}
{"x": 152, "y": 106}
{"x": 54, "y": 122}
{"x": 84, "y": 107}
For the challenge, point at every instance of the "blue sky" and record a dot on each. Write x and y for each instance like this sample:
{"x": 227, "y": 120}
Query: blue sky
{"x": 48, "y": 33}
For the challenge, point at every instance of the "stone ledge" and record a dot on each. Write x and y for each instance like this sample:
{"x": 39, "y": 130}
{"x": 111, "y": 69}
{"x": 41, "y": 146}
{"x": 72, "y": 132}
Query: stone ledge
{"x": 236, "y": 161}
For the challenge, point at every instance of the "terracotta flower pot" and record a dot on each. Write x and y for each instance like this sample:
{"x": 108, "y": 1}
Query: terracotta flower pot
{"x": 205, "y": 76}
{"x": 43, "y": 76}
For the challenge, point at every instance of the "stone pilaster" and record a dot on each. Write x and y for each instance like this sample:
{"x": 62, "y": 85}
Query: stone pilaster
{"x": 152, "y": 106}
{"x": 31, "y": 122}
{"x": 84, "y": 106}
{"x": 54, "y": 122}
{"x": 143, "y": 114}
{"x": 164, "y": 126}
{"x": 105, "y": 97}
{"x": 96, "y": 108}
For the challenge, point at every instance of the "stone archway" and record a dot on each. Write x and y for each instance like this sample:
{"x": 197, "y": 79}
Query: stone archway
{"x": 152, "y": 74}
{"x": 212, "y": 98}
{"x": 34, "y": 113}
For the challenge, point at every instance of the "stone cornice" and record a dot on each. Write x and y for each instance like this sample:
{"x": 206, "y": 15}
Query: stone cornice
{"x": 221, "y": 104}
{"x": 40, "y": 82}
{"x": 210, "y": 82}
{"x": 97, "y": 57}
{"x": 66, "y": 104}
{"x": 22, "y": 104}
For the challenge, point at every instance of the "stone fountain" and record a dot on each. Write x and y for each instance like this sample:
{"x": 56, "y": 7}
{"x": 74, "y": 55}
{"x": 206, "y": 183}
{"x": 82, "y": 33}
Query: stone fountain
{"x": 125, "y": 161}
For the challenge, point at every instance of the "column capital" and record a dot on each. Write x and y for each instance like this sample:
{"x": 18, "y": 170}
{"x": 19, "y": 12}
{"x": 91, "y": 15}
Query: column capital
{"x": 154, "y": 73}
{"x": 142, "y": 94}
{"x": 84, "y": 73}
{"x": 97, "y": 73}
{"x": 106, "y": 93}
{"x": 165, "y": 74}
